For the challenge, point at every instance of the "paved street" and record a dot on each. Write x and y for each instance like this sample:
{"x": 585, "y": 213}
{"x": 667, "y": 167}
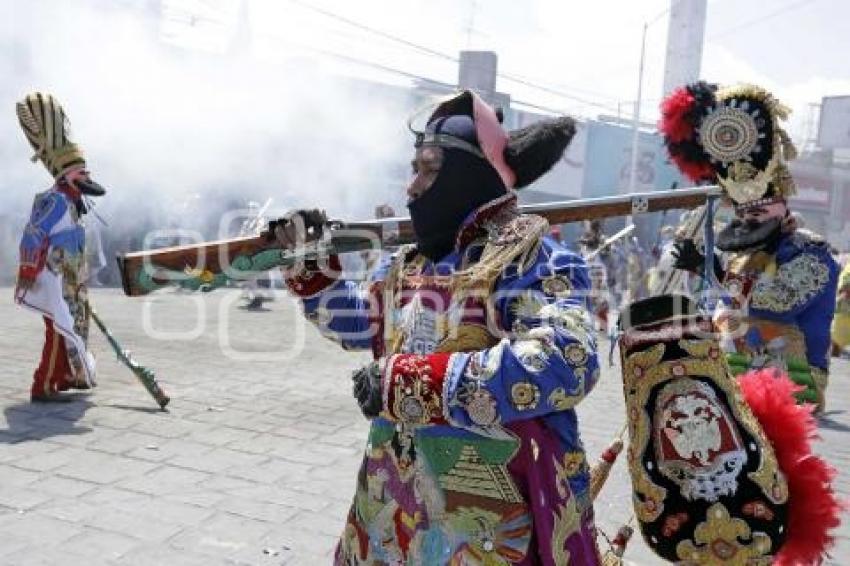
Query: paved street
{"x": 255, "y": 461}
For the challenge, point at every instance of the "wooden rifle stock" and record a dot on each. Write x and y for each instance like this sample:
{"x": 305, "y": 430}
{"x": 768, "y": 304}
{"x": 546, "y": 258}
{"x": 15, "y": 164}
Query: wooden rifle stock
{"x": 208, "y": 265}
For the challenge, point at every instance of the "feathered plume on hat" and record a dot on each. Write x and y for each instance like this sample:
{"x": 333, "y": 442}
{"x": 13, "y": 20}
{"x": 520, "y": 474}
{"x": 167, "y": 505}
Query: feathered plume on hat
{"x": 45, "y": 124}
{"x": 731, "y": 135}
{"x": 520, "y": 156}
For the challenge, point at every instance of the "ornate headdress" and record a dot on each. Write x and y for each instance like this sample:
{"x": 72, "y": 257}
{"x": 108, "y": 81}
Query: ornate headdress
{"x": 45, "y": 124}
{"x": 731, "y": 136}
{"x": 519, "y": 156}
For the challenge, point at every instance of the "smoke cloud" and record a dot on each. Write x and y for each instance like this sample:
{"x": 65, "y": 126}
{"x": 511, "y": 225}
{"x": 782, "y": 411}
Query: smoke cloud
{"x": 177, "y": 135}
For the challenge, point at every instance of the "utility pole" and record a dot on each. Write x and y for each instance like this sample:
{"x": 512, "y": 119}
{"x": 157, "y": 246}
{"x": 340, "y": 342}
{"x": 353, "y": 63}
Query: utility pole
{"x": 477, "y": 71}
{"x": 685, "y": 37}
{"x": 470, "y": 26}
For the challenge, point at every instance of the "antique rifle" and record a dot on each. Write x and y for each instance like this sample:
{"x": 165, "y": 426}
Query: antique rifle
{"x": 145, "y": 375}
{"x": 209, "y": 265}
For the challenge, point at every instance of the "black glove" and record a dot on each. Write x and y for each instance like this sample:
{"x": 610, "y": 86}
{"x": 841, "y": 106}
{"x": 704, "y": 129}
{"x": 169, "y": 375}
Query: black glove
{"x": 306, "y": 224}
{"x": 689, "y": 258}
{"x": 367, "y": 389}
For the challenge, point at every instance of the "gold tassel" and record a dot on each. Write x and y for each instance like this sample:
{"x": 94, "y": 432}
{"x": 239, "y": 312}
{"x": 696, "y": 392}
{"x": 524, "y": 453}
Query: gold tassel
{"x": 789, "y": 150}
{"x": 614, "y": 555}
{"x": 497, "y": 256}
{"x": 600, "y": 472}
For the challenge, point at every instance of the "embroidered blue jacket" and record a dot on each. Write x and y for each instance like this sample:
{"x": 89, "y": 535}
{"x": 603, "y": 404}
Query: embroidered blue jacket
{"x": 476, "y": 387}
{"x": 53, "y": 225}
{"x": 801, "y": 293}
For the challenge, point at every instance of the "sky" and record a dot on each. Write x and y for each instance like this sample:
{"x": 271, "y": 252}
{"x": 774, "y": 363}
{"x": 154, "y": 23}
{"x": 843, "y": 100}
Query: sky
{"x": 172, "y": 97}
{"x": 590, "y": 50}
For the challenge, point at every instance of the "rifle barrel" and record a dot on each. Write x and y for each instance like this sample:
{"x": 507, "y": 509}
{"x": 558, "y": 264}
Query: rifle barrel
{"x": 208, "y": 265}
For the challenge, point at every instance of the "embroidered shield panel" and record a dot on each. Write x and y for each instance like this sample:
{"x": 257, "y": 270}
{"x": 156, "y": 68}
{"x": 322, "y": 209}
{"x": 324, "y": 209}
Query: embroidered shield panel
{"x": 706, "y": 486}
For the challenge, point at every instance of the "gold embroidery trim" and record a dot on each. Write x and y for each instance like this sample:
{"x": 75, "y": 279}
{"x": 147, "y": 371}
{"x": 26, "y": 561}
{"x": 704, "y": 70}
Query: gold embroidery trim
{"x": 642, "y": 372}
{"x": 795, "y": 283}
{"x": 719, "y": 542}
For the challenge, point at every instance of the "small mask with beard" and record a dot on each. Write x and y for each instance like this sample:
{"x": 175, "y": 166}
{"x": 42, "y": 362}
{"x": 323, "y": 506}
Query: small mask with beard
{"x": 756, "y": 228}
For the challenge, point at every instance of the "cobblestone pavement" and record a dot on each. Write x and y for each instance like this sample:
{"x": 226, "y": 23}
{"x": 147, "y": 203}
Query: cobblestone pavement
{"x": 255, "y": 461}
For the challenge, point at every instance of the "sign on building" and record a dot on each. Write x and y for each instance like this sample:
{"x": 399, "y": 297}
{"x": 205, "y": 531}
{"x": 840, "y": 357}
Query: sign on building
{"x": 608, "y": 158}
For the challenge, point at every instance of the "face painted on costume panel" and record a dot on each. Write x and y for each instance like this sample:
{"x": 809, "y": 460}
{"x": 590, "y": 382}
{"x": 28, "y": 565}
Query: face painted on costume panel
{"x": 426, "y": 166}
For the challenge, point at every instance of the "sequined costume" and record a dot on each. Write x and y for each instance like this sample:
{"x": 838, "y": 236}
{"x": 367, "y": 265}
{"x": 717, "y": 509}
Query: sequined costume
{"x": 722, "y": 469}
{"x": 789, "y": 297}
{"x": 478, "y": 451}
{"x": 779, "y": 281}
{"x": 475, "y": 457}
{"x": 52, "y": 252}
{"x": 52, "y": 267}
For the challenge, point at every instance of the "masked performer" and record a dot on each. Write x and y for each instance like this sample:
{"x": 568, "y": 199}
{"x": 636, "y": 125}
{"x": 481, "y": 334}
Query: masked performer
{"x": 780, "y": 280}
{"x": 635, "y": 268}
{"x": 483, "y": 348}
{"x": 52, "y": 272}
{"x": 599, "y": 271}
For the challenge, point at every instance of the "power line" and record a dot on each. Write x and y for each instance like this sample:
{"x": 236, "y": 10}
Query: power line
{"x": 363, "y": 62}
{"x": 412, "y": 76}
{"x": 760, "y": 20}
{"x": 445, "y": 56}
{"x": 521, "y": 81}
{"x": 385, "y": 35}
{"x": 562, "y": 88}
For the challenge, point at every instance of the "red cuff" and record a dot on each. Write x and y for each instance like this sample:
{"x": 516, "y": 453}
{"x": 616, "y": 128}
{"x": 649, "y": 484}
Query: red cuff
{"x": 311, "y": 281}
{"x": 32, "y": 261}
{"x": 413, "y": 388}
{"x": 29, "y": 271}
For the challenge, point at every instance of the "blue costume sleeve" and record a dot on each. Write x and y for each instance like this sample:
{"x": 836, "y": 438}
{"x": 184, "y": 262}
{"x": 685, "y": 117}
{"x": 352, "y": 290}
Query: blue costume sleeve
{"x": 547, "y": 362}
{"x": 801, "y": 293}
{"x": 341, "y": 313}
{"x": 344, "y": 312}
{"x": 47, "y": 209}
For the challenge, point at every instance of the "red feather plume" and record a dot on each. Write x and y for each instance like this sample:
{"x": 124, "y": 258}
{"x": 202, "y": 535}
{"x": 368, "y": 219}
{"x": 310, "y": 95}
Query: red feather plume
{"x": 681, "y": 112}
{"x": 696, "y": 171}
{"x": 675, "y": 124}
{"x": 813, "y": 508}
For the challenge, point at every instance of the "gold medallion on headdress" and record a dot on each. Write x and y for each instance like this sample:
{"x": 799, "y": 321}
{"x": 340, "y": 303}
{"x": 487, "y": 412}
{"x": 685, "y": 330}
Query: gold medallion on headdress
{"x": 732, "y": 136}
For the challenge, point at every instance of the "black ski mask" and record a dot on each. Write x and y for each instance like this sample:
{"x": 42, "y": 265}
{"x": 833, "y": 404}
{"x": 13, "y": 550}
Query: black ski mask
{"x": 465, "y": 182}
